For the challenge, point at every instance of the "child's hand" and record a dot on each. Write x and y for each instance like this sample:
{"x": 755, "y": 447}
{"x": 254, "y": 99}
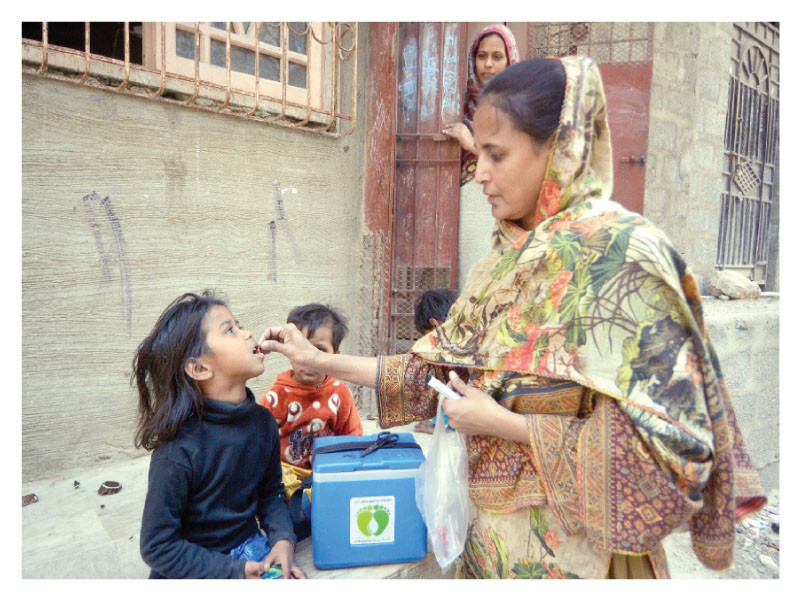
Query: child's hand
{"x": 253, "y": 570}
{"x": 282, "y": 553}
{"x": 289, "y": 341}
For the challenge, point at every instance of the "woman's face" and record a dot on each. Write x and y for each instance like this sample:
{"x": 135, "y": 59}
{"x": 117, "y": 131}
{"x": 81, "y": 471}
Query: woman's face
{"x": 511, "y": 165}
{"x": 490, "y": 58}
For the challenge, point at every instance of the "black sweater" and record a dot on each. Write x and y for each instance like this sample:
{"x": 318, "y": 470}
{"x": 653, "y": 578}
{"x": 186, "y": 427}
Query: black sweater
{"x": 206, "y": 487}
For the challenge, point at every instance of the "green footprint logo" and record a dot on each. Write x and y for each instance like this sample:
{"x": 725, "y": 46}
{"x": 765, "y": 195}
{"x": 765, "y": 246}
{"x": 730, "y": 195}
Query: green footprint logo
{"x": 366, "y": 524}
{"x": 372, "y": 520}
{"x": 381, "y": 517}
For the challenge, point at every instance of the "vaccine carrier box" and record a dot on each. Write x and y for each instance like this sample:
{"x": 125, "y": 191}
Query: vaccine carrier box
{"x": 363, "y": 510}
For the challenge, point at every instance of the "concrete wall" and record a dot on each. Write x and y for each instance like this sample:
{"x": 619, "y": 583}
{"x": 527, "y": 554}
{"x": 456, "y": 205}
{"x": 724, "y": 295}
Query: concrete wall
{"x": 688, "y": 104}
{"x": 475, "y": 225}
{"x": 189, "y": 199}
{"x": 745, "y": 334}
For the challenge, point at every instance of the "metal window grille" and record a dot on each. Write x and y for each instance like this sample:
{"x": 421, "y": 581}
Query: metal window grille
{"x": 290, "y": 74}
{"x": 409, "y": 284}
{"x": 751, "y": 151}
{"x": 604, "y": 42}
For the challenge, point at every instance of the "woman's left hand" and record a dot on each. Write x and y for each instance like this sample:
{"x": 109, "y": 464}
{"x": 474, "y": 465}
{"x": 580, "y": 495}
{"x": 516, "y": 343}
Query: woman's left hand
{"x": 477, "y": 413}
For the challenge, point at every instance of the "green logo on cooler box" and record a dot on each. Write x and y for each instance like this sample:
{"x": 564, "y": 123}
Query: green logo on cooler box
{"x": 372, "y": 520}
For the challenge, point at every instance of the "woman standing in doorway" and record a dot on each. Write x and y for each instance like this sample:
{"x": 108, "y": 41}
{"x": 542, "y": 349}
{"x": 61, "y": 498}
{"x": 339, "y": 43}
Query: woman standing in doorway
{"x": 493, "y": 50}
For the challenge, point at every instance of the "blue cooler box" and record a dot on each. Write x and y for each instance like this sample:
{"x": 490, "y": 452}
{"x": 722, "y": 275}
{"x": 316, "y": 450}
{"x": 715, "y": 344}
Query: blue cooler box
{"x": 363, "y": 510}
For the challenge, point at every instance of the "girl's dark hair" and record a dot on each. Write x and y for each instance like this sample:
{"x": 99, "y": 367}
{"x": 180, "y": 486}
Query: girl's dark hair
{"x": 167, "y": 395}
{"x": 432, "y": 304}
{"x": 531, "y": 93}
{"x": 315, "y": 315}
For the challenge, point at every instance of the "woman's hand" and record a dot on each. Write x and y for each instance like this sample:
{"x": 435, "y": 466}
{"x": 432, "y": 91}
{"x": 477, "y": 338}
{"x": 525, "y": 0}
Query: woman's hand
{"x": 282, "y": 553}
{"x": 289, "y": 341}
{"x": 461, "y": 133}
{"x": 477, "y": 413}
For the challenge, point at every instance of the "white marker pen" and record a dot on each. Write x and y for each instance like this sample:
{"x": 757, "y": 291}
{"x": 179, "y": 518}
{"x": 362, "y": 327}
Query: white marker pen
{"x": 441, "y": 388}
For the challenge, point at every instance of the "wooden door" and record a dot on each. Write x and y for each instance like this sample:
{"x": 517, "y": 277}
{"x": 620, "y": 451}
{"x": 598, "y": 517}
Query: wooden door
{"x": 627, "y": 87}
{"x": 430, "y": 66}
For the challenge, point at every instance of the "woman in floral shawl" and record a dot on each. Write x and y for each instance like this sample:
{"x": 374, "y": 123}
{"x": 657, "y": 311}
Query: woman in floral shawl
{"x": 596, "y": 415}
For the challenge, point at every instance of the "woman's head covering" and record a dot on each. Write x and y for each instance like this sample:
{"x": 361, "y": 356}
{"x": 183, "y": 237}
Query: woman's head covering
{"x": 580, "y": 165}
{"x": 598, "y": 295}
{"x": 469, "y": 160}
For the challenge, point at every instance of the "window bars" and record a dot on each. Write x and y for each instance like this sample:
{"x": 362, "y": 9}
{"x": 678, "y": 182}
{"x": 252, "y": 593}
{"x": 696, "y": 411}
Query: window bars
{"x": 289, "y": 74}
{"x": 751, "y": 151}
{"x": 604, "y": 42}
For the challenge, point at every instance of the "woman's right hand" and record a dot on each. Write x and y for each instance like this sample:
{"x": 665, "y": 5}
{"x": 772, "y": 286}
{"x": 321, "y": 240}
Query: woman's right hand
{"x": 289, "y": 341}
{"x": 461, "y": 133}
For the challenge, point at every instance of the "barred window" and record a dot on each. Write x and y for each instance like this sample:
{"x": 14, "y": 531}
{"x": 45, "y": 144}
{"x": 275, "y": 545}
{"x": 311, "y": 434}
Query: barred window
{"x": 751, "y": 152}
{"x": 604, "y": 42}
{"x": 294, "y": 74}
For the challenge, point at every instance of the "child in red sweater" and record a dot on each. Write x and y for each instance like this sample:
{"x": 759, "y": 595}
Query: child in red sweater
{"x": 308, "y": 404}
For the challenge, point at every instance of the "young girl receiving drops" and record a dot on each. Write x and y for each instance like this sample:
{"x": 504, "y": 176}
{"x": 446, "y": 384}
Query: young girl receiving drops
{"x": 214, "y": 486}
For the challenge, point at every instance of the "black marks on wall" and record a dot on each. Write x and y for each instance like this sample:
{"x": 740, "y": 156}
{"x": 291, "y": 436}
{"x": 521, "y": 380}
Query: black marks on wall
{"x": 105, "y": 274}
{"x": 282, "y": 222}
{"x": 286, "y": 232}
{"x": 110, "y": 244}
{"x": 273, "y": 253}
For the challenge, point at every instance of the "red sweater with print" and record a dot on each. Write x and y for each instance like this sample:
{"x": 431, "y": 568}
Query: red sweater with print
{"x": 304, "y": 412}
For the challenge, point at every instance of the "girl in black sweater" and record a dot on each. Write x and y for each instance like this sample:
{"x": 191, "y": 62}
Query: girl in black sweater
{"x": 215, "y": 484}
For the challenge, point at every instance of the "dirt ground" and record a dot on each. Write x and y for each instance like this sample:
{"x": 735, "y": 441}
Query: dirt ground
{"x": 757, "y": 549}
{"x": 98, "y": 536}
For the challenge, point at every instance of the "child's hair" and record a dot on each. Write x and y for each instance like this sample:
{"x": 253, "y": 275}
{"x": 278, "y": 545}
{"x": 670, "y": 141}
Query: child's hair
{"x": 316, "y": 315}
{"x": 167, "y": 395}
{"x": 432, "y": 304}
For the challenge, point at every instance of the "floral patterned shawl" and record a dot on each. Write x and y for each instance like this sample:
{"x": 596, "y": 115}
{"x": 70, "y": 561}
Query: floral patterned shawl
{"x": 468, "y": 159}
{"x": 598, "y": 296}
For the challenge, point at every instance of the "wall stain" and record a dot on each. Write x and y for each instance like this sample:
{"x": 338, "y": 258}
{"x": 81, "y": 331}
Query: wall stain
{"x": 286, "y": 231}
{"x": 95, "y": 205}
{"x": 273, "y": 254}
{"x": 105, "y": 276}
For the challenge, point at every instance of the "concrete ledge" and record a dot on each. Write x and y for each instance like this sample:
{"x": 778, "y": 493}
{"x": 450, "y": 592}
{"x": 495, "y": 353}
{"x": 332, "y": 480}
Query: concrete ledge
{"x": 74, "y": 533}
{"x": 746, "y": 336}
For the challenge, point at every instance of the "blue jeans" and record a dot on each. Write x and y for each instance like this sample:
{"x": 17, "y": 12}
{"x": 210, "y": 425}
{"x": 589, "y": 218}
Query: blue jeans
{"x": 255, "y": 549}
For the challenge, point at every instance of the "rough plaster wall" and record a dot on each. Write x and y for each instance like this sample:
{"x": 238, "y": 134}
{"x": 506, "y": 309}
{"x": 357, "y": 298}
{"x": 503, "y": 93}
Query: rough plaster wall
{"x": 373, "y": 278}
{"x": 127, "y": 203}
{"x": 688, "y": 103}
{"x": 745, "y": 334}
{"x": 475, "y": 225}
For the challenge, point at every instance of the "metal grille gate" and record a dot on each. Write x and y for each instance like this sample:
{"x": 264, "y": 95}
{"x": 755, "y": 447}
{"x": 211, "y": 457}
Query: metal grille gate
{"x": 430, "y": 80}
{"x": 751, "y": 151}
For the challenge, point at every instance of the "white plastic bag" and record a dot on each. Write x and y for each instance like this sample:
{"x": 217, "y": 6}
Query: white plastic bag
{"x": 442, "y": 492}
